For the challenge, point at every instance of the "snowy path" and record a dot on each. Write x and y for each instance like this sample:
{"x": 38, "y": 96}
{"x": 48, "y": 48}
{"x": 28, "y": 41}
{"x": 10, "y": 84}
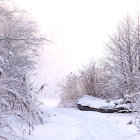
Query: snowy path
{"x": 73, "y": 124}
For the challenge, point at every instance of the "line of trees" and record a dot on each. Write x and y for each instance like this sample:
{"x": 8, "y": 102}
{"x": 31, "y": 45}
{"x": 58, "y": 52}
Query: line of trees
{"x": 19, "y": 43}
{"x": 118, "y": 74}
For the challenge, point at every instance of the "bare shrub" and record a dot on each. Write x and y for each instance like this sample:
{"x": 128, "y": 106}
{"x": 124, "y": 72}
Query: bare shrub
{"x": 91, "y": 80}
{"x": 71, "y": 90}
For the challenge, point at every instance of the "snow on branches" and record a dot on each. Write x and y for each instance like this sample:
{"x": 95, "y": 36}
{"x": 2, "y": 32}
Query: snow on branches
{"x": 19, "y": 41}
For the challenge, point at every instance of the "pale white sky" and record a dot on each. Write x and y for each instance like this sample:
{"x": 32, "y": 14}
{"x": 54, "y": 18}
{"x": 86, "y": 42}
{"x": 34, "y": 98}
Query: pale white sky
{"x": 78, "y": 28}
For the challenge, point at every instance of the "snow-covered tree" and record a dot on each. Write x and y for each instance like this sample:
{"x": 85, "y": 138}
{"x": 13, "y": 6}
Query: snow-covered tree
{"x": 123, "y": 55}
{"x": 19, "y": 42}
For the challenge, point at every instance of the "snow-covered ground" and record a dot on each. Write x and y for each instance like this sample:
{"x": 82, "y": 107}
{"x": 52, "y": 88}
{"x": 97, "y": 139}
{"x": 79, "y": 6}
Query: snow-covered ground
{"x": 73, "y": 124}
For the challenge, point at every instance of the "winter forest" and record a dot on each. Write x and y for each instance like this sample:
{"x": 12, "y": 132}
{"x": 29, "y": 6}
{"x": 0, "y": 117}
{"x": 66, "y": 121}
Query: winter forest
{"x": 50, "y": 90}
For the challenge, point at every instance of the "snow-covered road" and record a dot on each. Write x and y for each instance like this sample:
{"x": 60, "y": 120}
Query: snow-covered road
{"x": 73, "y": 124}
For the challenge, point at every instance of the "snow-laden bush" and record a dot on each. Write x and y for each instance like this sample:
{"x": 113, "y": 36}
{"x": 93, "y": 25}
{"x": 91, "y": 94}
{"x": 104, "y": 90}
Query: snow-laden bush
{"x": 19, "y": 41}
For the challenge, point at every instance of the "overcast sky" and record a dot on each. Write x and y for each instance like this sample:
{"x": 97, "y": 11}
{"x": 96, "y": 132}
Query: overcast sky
{"x": 78, "y": 29}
